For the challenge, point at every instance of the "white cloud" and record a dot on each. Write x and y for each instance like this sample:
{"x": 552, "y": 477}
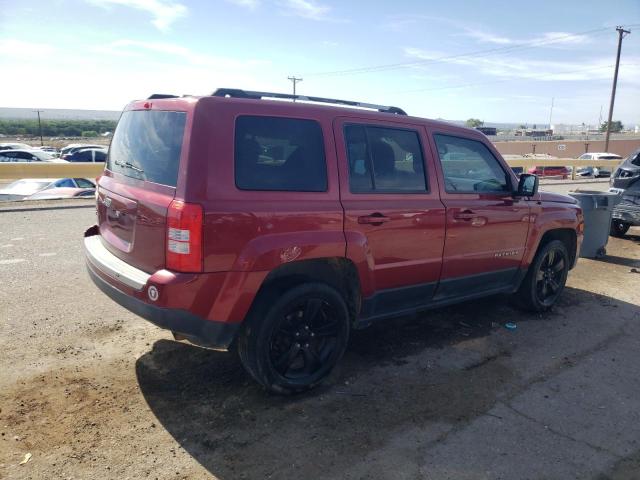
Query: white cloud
{"x": 250, "y": 4}
{"x": 11, "y": 47}
{"x": 308, "y": 9}
{"x": 512, "y": 66}
{"x": 487, "y": 37}
{"x": 164, "y": 12}
{"x": 135, "y": 48}
{"x": 562, "y": 38}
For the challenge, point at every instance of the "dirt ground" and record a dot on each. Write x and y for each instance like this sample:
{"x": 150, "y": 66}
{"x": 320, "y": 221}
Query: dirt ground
{"x": 93, "y": 392}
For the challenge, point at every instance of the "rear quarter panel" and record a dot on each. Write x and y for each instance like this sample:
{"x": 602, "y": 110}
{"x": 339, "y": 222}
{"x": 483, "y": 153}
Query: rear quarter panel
{"x": 257, "y": 230}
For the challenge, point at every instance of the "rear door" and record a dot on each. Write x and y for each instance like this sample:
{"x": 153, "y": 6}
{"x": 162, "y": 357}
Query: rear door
{"x": 487, "y": 226}
{"x": 139, "y": 183}
{"x": 394, "y": 219}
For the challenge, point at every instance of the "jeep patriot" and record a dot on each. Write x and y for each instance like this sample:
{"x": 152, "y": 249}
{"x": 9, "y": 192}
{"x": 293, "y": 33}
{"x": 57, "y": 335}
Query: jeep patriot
{"x": 272, "y": 227}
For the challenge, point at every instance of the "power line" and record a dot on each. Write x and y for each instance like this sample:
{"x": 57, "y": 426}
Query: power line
{"x": 476, "y": 54}
{"x": 530, "y": 77}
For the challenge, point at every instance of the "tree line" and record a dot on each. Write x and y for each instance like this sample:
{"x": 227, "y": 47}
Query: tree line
{"x": 57, "y": 128}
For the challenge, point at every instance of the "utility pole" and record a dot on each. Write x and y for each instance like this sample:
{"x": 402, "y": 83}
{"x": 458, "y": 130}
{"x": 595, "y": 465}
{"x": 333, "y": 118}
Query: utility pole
{"x": 294, "y": 80}
{"x": 40, "y": 126}
{"x": 621, "y": 31}
{"x": 600, "y": 118}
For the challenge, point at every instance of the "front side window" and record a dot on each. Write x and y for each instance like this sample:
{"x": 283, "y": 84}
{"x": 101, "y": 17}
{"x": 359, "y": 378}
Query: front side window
{"x": 384, "y": 160}
{"x": 282, "y": 154}
{"x": 469, "y": 166}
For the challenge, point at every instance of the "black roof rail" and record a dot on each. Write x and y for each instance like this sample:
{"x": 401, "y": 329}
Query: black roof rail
{"x": 156, "y": 96}
{"x": 237, "y": 93}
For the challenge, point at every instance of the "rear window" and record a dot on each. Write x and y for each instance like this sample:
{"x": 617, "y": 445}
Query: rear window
{"x": 146, "y": 145}
{"x": 275, "y": 153}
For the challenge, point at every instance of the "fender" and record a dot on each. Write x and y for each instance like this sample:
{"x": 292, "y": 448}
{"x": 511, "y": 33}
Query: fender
{"x": 547, "y": 216}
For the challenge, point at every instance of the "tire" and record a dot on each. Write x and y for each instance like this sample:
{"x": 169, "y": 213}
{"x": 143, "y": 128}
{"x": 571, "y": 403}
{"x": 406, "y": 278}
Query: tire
{"x": 545, "y": 279}
{"x": 291, "y": 340}
{"x": 619, "y": 228}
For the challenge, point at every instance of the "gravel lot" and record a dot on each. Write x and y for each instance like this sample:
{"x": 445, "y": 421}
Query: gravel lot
{"x": 93, "y": 392}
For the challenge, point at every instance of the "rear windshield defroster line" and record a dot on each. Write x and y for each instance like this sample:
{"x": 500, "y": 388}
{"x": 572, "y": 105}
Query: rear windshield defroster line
{"x": 147, "y": 144}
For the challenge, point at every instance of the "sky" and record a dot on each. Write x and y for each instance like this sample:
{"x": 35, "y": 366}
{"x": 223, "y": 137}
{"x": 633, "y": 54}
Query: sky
{"x": 497, "y": 61}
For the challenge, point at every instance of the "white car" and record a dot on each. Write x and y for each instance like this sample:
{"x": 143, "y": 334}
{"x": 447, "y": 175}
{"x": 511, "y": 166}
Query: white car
{"x": 14, "y": 146}
{"x": 28, "y": 156}
{"x": 596, "y": 170}
{"x": 21, "y": 189}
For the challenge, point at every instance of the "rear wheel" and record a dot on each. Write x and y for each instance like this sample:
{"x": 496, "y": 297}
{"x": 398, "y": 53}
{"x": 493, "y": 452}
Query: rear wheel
{"x": 545, "y": 279}
{"x": 619, "y": 228}
{"x": 291, "y": 341}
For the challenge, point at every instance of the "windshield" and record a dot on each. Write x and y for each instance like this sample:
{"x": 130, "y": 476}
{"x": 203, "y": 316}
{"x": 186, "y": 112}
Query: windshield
{"x": 147, "y": 145}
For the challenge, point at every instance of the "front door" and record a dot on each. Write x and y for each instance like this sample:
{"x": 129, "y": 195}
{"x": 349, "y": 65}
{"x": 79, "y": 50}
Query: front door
{"x": 487, "y": 225}
{"x": 394, "y": 219}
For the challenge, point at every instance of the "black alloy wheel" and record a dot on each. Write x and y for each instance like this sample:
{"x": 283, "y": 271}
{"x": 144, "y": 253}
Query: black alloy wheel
{"x": 304, "y": 339}
{"x": 545, "y": 279}
{"x": 292, "y": 339}
{"x": 550, "y": 276}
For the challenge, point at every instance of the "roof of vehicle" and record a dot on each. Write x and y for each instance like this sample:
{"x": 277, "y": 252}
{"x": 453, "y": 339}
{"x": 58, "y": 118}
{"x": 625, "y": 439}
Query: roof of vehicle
{"x": 310, "y": 105}
{"x": 50, "y": 180}
{"x": 60, "y": 192}
{"x": 600, "y": 154}
{"x": 30, "y": 150}
{"x": 90, "y": 148}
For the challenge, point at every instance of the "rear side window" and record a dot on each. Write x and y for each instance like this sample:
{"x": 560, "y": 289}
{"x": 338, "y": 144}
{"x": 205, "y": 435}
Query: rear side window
{"x": 84, "y": 183}
{"x": 82, "y": 156}
{"x": 469, "y": 166}
{"x": 147, "y": 144}
{"x": 384, "y": 160}
{"x": 275, "y": 153}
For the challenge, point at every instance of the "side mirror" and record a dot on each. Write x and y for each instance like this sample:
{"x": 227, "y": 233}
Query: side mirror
{"x": 528, "y": 185}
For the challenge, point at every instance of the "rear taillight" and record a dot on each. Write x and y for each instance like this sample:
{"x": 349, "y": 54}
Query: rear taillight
{"x": 184, "y": 237}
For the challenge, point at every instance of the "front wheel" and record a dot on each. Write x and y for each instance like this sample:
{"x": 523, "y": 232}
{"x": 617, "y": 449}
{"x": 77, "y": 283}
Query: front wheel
{"x": 291, "y": 341}
{"x": 545, "y": 279}
{"x": 619, "y": 228}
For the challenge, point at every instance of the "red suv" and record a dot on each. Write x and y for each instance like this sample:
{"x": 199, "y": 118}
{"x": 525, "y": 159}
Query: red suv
{"x": 276, "y": 227}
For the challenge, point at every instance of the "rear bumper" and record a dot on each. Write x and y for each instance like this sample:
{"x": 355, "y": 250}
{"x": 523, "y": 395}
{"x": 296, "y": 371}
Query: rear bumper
{"x": 129, "y": 287}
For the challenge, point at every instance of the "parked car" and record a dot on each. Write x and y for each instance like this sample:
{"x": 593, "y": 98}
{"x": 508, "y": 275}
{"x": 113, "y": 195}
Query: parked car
{"x": 21, "y": 189}
{"x": 51, "y": 150}
{"x": 277, "y": 227}
{"x": 72, "y": 147}
{"x": 28, "y": 156}
{"x": 596, "y": 170}
{"x": 14, "y": 146}
{"x": 561, "y": 172}
{"x": 86, "y": 155}
{"x": 625, "y": 181}
{"x": 63, "y": 192}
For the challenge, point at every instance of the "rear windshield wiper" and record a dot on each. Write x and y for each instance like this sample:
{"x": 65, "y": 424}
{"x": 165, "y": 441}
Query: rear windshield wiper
{"x": 129, "y": 165}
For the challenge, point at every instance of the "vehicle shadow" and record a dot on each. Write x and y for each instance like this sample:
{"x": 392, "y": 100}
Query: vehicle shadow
{"x": 234, "y": 429}
{"x": 625, "y": 262}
